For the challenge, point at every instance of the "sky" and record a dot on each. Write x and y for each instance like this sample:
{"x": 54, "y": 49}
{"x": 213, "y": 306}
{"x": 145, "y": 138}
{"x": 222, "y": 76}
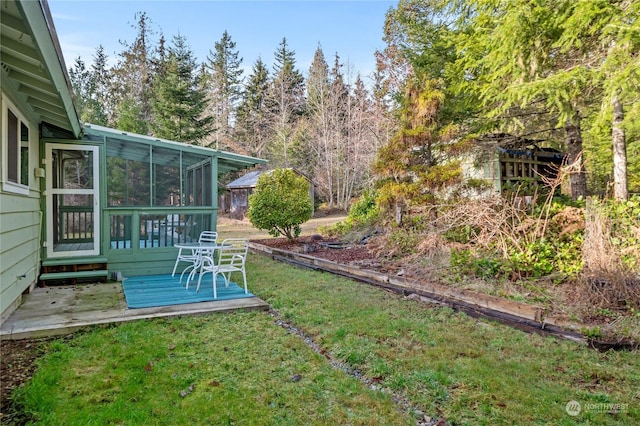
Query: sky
{"x": 351, "y": 28}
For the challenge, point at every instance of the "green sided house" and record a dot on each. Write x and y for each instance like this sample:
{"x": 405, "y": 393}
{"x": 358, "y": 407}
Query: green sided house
{"x": 79, "y": 201}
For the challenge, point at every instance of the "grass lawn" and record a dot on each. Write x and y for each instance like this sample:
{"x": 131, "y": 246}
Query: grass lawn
{"x": 244, "y": 368}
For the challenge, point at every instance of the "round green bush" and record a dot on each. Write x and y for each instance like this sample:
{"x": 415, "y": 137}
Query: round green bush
{"x": 280, "y": 203}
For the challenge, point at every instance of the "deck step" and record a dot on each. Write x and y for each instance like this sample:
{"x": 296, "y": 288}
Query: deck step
{"x": 70, "y": 275}
{"x": 71, "y": 270}
{"x": 74, "y": 261}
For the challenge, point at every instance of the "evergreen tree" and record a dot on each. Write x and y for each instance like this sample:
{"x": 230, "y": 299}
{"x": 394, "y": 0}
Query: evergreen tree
{"x": 224, "y": 85}
{"x": 285, "y": 103}
{"x": 179, "y": 98}
{"x": 103, "y": 85}
{"x": 417, "y": 161}
{"x": 133, "y": 75}
{"x": 615, "y": 30}
{"x": 92, "y": 88}
{"x": 82, "y": 86}
{"x": 519, "y": 70}
{"x": 319, "y": 125}
{"x": 252, "y": 126}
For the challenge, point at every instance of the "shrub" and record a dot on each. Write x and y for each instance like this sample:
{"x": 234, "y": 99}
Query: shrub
{"x": 363, "y": 212}
{"x": 280, "y": 203}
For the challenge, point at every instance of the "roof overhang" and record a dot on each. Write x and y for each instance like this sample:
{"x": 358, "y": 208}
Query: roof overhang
{"x": 33, "y": 65}
{"x": 227, "y": 162}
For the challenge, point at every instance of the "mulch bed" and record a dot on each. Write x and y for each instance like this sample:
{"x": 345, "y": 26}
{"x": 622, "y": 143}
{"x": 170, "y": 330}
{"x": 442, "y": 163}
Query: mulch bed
{"x": 324, "y": 248}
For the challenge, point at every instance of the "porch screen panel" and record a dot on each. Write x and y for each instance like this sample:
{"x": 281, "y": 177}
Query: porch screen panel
{"x": 206, "y": 187}
{"x": 198, "y": 223}
{"x": 197, "y": 180}
{"x": 166, "y": 177}
{"x": 73, "y": 211}
{"x": 128, "y": 174}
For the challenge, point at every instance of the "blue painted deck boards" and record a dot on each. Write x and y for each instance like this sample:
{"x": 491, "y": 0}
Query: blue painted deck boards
{"x": 164, "y": 290}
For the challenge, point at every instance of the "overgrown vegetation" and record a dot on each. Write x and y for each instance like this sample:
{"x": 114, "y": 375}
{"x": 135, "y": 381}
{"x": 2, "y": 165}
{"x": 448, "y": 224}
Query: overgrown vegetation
{"x": 363, "y": 215}
{"x": 611, "y": 274}
{"x": 577, "y": 259}
{"x": 481, "y": 76}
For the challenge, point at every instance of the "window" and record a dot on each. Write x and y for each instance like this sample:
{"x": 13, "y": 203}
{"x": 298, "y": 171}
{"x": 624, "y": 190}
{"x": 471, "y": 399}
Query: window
{"x": 16, "y": 138}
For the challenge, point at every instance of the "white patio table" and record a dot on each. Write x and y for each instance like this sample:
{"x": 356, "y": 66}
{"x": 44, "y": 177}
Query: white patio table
{"x": 198, "y": 249}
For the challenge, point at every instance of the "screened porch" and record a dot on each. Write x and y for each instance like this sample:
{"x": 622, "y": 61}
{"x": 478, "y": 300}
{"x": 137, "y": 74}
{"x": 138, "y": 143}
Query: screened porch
{"x": 152, "y": 194}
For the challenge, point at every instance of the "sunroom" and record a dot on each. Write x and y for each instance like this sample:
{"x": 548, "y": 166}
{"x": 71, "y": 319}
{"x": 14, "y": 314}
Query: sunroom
{"x": 119, "y": 201}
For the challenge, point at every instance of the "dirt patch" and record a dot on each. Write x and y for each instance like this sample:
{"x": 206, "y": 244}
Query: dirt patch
{"x": 17, "y": 365}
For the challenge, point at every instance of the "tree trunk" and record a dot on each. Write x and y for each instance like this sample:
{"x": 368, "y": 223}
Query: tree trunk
{"x": 577, "y": 177}
{"x": 620, "y": 188}
{"x": 398, "y": 214}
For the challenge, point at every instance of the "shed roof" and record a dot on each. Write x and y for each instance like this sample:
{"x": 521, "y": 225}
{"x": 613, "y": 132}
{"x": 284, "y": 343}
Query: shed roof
{"x": 251, "y": 179}
{"x": 247, "y": 181}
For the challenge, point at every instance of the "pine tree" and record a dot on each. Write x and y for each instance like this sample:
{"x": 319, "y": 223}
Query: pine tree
{"x": 252, "y": 126}
{"x": 82, "y": 87}
{"x": 319, "y": 126}
{"x": 179, "y": 98}
{"x": 102, "y": 85}
{"x": 133, "y": 76}
{"x": 285, "y": 103}
{"x": 92, "y": 88}
{"x": 224, "y": 85}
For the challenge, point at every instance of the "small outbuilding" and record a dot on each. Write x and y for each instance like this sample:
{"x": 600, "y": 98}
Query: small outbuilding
{"x": 240, "y": 189}
{"x": 506, "y": 162}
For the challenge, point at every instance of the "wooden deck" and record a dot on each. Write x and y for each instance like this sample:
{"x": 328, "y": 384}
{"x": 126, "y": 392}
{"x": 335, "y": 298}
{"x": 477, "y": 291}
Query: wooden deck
{"x": 52, "y": 311}
{"x": 73, "y": 247}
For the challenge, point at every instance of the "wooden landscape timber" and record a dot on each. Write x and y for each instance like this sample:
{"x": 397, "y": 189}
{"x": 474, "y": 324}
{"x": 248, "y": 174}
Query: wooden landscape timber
{"x": 526, "y": 317}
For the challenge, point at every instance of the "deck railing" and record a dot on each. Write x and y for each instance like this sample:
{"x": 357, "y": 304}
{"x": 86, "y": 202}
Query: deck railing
{"x": 75, "y": 224}
{"x": 155, "y": 230}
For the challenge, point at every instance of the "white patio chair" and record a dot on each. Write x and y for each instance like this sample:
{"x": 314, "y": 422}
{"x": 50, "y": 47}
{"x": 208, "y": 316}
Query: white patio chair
{"x": 232, "y": 256}
{"x": 192, "y": 256}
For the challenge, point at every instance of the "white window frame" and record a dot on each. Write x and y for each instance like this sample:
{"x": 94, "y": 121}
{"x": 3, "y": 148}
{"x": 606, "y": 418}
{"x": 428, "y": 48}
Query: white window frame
{"x": 7, "y": 185}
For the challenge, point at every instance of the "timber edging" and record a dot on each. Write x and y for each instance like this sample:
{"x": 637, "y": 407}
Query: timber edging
{"x": 526, "y": 317}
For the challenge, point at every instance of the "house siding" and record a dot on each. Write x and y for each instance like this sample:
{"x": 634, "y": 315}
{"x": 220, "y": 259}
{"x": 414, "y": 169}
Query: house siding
{"x": 19, "y": 249}
{"x": 20, "y": 218}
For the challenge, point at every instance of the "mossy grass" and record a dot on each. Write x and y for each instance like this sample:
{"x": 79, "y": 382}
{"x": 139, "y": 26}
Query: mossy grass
{"x": 243, "y": 368}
